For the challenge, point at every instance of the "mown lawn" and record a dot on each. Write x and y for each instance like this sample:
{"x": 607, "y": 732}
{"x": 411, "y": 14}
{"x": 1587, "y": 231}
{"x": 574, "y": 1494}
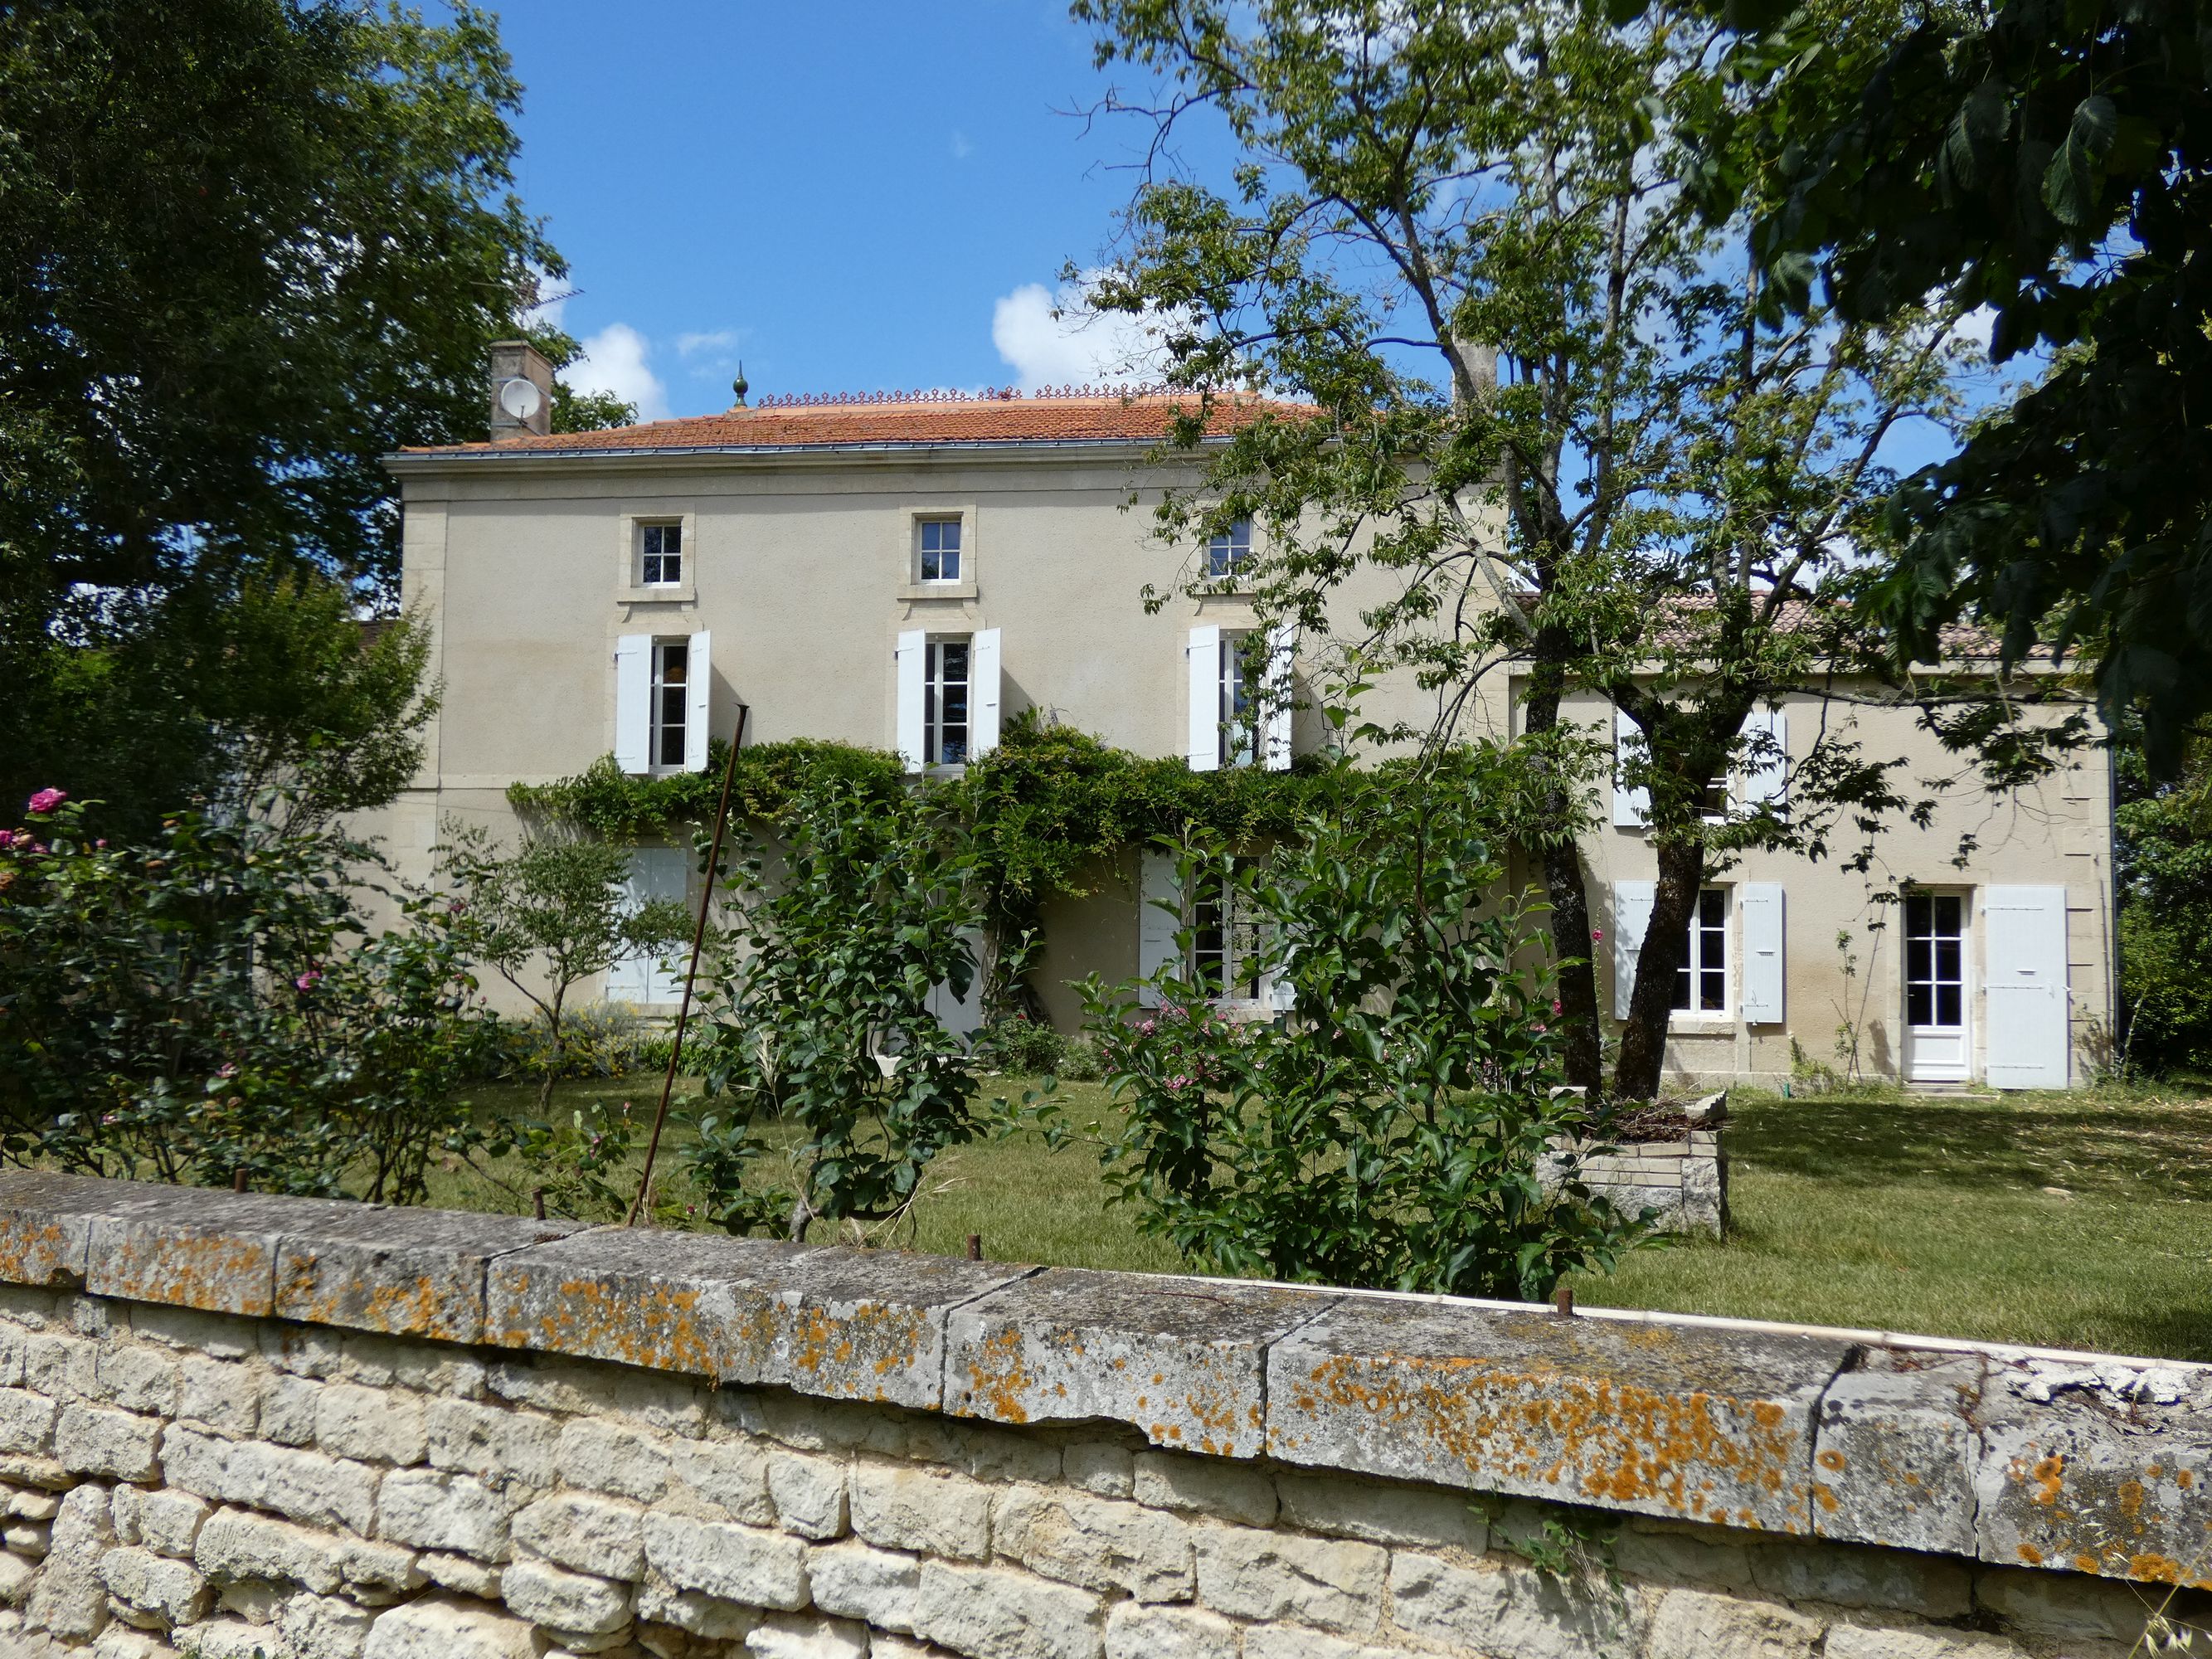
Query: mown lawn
{"x": 2065, "y": 1221}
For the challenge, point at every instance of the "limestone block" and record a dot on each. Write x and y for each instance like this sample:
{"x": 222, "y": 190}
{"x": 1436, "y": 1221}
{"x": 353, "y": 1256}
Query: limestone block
{"x": 303, "y": 1485}
{"x": 461, "y": 1573}
{"x": 46, "y": 1224}
{"x": 607, "y": 1457}
{"x": 121, "y": 1642}
{"x": 2063, "y": 1605}
{"x": 34, "y": 1506}
{"x": 288, "y": 1410}
{"x": 1100, "y": 1466}
{"x": 809, "y": 1493}
{"x": 237, "y": 1544}
{"x": 1070, "y": 1345}
{"x": 1670, "y": 1553}
{"x": 156, "y": 1590}
{"x": 730, "y": 1474}
{"x": 592, "y": 1534}
{"x": 376, "y": 1425}
{"x": 882, "y": 1646}
{"x": 563, "y": 1600}
{"x": 26, "y": 1538}
{"x": 707, "y": 1617}
{"x": 722, "y": 1558}
{"x": 1099, "y": 1543}
{"x": 991, "y": 1452}
{"x": 904, "y": 1507}
{"x": 406, "y": 1272}
{"x": 848, "y": 1324}
{"x": 986, "y": 1613}
{"x": 70, "y": 1601}
{"x": 217, "y": 1336}
{"x": 857, "y": 1581}
{"x": 1895, "y": 1453}
{"x": 314, "y": 1351}
{"x": 26, "y": 1471}
{"x": 431, "y": 1509}
{"x": 136, "y": 1376}
{"x": 60, "y": 1366}
{"x": 497, "y": 1444}
{"x": 1862, "y": 1577}
{"x": 176, "y": 1246}
{"x": 232, "y": 1639}
{"x": 1873, "y": 1642}
{"x": 551, "y": 1382}
{"x": 15, "y": 1577}
{"x": 1334, "y": 1583}
{"x": 423, "y": 1368}
{"x": 324, "y": 1627}
{"x": 1500, "y": 1607}
{"x": 1296, "y": 1642}
{"x": 169, "y": 1521}
{"x": 1225, "y": 1491}
{"x": 1685, "y": 1421}
{"x": 124, "y": 1504}
{"x": 1381, "y": 1514}
{"x": 1136, "y": 1632}
{"x": 795, "y": 1636}
{"x": 27, "y": 1421}
{"x": 1699, "y": 1624}
{"x": 117, "y": 1445}
{"x": 446, "y": 1627}
{"x": 220, "y": 1393}
{"x": 2093, "y": 1481}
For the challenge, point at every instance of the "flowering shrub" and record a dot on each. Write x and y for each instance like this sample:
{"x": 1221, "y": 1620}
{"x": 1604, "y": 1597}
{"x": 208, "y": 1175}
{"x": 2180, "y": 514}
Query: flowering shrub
{"x": 1389, "y": 1131}
{"x": 212, "y": 1002}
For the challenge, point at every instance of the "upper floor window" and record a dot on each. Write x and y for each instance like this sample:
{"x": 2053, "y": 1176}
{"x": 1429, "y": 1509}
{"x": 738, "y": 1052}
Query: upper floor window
{"x": 1229, "y": 553}
{"x": 1235, "y": 682}
{"x": 944, "y": 688}
{"x": 671, "y": 700}
{"x": 940, "y": 549}
{"x": 1701, "y": 982}
{"x": 660, "y": 555}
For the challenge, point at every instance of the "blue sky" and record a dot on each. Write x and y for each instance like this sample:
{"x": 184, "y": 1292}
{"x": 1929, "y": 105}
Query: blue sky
{"x": 853, "y": 197}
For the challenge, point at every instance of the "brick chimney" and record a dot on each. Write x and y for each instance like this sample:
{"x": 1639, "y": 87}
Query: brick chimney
{"x": 521, "y": 391}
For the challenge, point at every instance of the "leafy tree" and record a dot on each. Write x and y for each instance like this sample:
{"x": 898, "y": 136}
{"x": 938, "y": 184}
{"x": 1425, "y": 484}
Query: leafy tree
{"x": 2052, "y": 162}
{"x": 2165, "y": 877}
{"x": 1562, "y": 412}
{"x": 1393, "y": 1131}
{"x": 550, "y": 914}
{"x": 211, "y": 1001}
{"x": 860, "y": 907}
{"x": 251, "y": 247}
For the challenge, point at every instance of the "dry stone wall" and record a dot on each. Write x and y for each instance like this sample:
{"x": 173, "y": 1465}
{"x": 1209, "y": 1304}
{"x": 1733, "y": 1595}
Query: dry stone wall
{"x": 235, "y": 1427}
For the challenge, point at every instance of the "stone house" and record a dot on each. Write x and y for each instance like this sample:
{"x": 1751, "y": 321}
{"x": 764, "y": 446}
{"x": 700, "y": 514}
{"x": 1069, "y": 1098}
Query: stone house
{"x": 909, "y": 573}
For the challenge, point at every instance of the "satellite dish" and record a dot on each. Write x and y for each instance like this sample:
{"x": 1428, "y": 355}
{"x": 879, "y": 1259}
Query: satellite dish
{"x": 520, "y": 398}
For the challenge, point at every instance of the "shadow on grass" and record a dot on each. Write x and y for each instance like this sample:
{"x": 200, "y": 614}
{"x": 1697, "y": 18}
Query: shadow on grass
{"x": 2135, "y": 1148}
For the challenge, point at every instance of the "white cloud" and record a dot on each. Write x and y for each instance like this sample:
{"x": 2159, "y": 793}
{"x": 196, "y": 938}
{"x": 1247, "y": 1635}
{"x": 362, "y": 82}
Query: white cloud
{"x": 1078, "y": 346}
{"x": 962, "y": 150}
{"x": 614, "y": 361}
{"x": 690, "y": 345}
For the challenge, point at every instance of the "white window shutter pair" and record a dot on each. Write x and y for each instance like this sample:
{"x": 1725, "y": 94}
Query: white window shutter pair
{"x": 1160, "y": 917}
{"x": 1202, "y": 657}
{"x": 634, "y": 700}
{"x": 1761, "y": 928}
{"x": 2024, "y": 942}
{"x": 1631, "y": 808}
{"x": 984, "y": 660}
{"x": 1276, "y": 699}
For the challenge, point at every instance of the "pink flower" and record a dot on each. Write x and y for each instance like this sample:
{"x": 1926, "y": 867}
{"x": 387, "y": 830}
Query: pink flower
{"x": 102, "y": 844}
{"x": 308, "y": 980}
{"x": 1537, "y": 1026}
{"x": 229, "y": 1069}
{"x": 1145, "y": 1028}
{"x": 1597, "y": 933}
{"x": 1555, "y": 1005}
{"x": 46, "y": 800}
{"x": 1178, "y": 1083}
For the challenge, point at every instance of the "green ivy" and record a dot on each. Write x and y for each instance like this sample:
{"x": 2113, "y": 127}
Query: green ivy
{"x": 612, "y": 803}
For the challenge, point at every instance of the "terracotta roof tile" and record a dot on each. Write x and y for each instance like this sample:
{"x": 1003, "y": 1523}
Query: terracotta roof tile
{"x": 1008, "y": 420}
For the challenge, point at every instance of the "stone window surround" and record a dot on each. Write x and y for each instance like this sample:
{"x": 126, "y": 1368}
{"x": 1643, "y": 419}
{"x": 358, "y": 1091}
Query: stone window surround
{"x": 911, "y": 588}
{"x": 628, "y": 589}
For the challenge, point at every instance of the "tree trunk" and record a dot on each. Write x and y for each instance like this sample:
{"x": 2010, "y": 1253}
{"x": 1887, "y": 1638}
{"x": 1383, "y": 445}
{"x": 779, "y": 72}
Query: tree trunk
{"x": 1566, "y": 893}
{"x": 1643, "y": 1037}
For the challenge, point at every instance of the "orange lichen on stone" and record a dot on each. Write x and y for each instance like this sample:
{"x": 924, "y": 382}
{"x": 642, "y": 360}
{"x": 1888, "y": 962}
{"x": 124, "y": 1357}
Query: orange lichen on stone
{"x": 999, "y": 1378}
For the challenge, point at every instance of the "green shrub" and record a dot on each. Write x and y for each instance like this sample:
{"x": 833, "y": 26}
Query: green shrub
{"x": 1023, "y": 1046}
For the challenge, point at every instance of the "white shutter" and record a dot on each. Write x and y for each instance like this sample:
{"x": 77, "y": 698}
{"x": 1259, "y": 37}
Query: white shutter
{"x": 1155, "y": 927}
{"x": 1632, "y": 920}
{"x": 1631, "y": 808}
{"x": 1760, "y": 905}
{"x": 2024, "y": 944}
{"x": 655, "y": 873}
{"x": 1275, "y": 698}
{"x": 983, "y": 694}
{"x": 1202, "y": 659}
{"x": 634, "y": 703}
{"x": 961, "y": 1016}
{"x": 698, "y": 688}
{"x": 1767, "y": 779}
{"x": 913, "y": 665}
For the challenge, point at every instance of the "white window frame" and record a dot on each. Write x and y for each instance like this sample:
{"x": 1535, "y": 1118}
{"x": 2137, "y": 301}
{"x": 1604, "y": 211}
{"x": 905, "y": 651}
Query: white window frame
{"x": 1234, "y": 684}
{"x": 1229, "y": 552}
{"x": 664, "y": 695}
{"x": 1699, "y": 938}
{"x": 934, "y": 684}
{"x": 645, "y": 575}
{"x": 1964, "y": 938}
{"x": 923, "y": 523}
{"x": 631, "y": 588}
{"x": 1211, "y": 908}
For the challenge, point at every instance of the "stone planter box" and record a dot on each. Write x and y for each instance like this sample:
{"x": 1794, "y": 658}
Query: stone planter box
{"x": 1685, "y": 1179}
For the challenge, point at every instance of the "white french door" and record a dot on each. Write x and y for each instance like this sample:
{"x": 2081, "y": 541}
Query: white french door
{"x": 1938, "y": 1045}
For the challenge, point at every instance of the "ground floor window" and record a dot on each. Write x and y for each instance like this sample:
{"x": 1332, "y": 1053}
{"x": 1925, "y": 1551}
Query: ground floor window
{"x": 1934, "y": 960}
{"x": 1224, "y": 942}
{"x": 1701, "y": 982}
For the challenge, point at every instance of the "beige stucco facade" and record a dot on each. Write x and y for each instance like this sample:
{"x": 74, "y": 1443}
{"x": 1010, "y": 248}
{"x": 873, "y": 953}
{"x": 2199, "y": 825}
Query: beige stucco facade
{"x": 800, "y": 564}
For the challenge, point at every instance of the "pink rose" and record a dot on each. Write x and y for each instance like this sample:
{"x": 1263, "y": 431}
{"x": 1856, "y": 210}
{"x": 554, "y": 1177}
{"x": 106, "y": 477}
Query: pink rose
{"x": 1555, "y": 1005}
{"x": 1597, "y": 933}
{"x": 46, "y": 800}
{"x": 308, "y": 980}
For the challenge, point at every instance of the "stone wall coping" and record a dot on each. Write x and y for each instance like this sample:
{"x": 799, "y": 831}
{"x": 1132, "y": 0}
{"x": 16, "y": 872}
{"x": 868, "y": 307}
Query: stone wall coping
{"x": 2008, "y": 1454}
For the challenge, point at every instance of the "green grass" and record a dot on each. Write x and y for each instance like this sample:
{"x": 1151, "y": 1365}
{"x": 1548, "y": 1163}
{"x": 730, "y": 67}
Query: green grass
{"x": 2065, "y": 1221}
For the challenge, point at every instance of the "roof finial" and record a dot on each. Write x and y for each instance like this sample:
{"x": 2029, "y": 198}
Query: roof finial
{"x": 739, "y": 387}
